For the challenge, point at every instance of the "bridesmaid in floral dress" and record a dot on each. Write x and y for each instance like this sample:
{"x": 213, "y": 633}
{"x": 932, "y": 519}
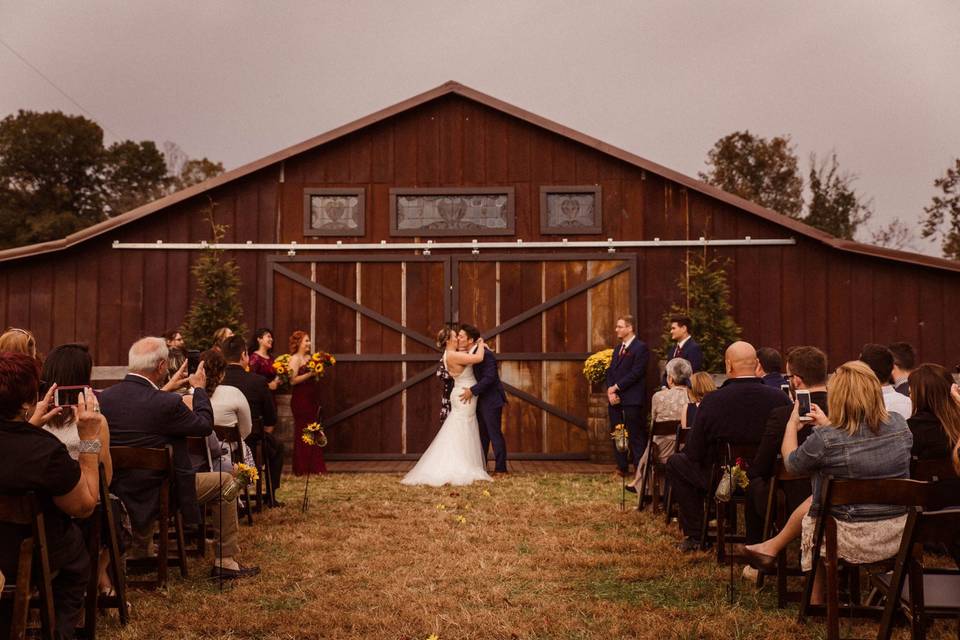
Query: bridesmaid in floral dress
{"x": 305, "y": 406}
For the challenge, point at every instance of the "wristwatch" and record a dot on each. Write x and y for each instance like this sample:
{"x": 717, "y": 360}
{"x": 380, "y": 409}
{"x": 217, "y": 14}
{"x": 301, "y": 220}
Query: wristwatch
{"x": 90, "y": 446}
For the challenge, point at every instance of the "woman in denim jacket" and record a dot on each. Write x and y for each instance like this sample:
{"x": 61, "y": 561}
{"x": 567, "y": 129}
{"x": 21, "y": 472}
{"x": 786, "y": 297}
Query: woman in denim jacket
{"x": 858, "y": 440}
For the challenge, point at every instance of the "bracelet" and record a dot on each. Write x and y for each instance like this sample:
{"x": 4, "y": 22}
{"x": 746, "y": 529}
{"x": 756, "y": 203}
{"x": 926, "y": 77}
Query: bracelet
{"x": 90, "y": 446}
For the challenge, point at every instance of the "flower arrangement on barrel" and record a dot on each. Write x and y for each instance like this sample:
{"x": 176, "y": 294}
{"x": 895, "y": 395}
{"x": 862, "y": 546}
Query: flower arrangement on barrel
{"x": 595, "y": 367}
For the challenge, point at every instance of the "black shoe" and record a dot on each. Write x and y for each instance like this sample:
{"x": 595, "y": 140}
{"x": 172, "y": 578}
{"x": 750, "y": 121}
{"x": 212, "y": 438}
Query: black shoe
{"x": 692, "y": 544}
{"x": 224, "y": 573}
{"x": 630, "y": 489}
{"x": 276, "y": 504}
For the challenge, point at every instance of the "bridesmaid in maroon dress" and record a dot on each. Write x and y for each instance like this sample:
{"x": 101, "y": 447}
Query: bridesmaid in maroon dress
{"x": 261, "y": 362}
{"x": 305, "y": 405}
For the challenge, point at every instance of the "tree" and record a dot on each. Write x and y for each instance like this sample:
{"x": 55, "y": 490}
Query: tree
{"x": 706, "y": 300}
{"x": 895, "y": 235}
{"x": 216, "y": 303}
{"x": 133, "y": 174}
{"x": 763, "y": 171}
{"x": 49, "y": 175}
{"x": 196, "y": 171}
{"x": 835, "y": 206}
{"x": 945, "y": 211}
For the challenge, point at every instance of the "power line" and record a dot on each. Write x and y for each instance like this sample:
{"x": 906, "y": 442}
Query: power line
{"x": 61, "y": 91}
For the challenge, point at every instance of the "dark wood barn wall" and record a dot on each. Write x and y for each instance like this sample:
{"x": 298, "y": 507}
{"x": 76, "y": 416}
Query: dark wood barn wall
{"x": 782, "y": 296}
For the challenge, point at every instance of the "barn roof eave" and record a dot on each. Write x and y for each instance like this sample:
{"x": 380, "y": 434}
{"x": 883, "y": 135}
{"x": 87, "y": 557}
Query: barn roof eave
{"x": 452, "y": 87}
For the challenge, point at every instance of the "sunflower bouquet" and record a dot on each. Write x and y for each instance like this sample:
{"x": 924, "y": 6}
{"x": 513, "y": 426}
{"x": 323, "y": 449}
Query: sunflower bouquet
{"x": 595, "y": 367}
{"x": 620, "y": 437}
{"x": 313, "y": 435}
{"x": 245, "y": 476}
{"x": 319, "y": 362}
{"x": 283, "y": 370}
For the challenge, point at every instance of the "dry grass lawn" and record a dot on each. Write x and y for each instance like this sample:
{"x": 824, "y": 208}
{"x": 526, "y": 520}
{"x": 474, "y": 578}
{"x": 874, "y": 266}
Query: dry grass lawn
{"x": 531, "y": 556}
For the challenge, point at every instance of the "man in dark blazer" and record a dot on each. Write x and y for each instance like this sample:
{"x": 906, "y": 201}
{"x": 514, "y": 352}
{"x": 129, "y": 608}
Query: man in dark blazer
{"x": 141, "y": 414}
{"x": 255, "y": 390}
{"x": 490, "y": 399}
{"x": 770, "y": 367}
{"x": 684, "y": 345}
{"x": 626, "y": 392}
{"x": 735, "y": 413}
{"x": 807, "y": 371}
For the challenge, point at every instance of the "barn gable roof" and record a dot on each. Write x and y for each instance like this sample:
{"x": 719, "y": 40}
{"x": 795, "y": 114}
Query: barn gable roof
{"x": 452, "y": 87}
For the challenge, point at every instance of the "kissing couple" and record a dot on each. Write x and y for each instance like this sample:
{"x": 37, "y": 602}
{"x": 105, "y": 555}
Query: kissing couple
{"x": 474, "y": 405}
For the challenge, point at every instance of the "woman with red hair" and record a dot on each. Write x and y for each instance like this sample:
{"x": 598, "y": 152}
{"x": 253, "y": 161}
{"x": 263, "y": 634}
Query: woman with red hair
{"x": 305, "y": 406}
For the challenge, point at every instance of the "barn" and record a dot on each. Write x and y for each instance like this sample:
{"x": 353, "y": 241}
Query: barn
{"x": 453, "y": 205}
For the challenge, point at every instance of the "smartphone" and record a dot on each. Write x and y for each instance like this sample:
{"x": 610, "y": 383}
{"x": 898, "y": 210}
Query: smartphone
{"x": 67, "y": 396}
{"x": 803, "y": 398}
{"x": 786, "y": 389}
{"x": 193, "y": 361}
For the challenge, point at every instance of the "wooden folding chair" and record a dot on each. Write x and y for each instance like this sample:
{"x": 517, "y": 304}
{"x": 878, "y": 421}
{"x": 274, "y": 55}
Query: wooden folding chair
{"x": 231, "y": 435}
{"x": 118, "y": 574}
{"x": 655, "y": 471}
{"x": 160, "y": 460}
{"x": 24, "y": 510}
{"x": 726, "y": 532}
{"x": 924, "y": 593}
{"x": 776, "y": 516}
{"x": 668, "y": 504}
{"x": 263, "y": 490}
{"x": 890, "y": 491}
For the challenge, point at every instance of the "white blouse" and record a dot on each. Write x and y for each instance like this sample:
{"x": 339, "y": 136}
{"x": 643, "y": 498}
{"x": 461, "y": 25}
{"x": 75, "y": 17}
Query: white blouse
{"x": 231, "y": 409}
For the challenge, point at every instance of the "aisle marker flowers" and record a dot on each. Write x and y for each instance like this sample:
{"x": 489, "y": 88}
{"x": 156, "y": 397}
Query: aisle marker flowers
{"x": 313, "y": 435}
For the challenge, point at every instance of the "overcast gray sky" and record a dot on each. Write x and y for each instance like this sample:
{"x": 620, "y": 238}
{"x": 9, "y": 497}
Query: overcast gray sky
{"x": 874, "y": 80}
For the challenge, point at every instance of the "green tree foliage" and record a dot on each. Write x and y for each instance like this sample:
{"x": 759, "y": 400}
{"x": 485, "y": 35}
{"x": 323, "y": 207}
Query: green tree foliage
{"x": 56, "y": 176}
{"x": 216, "y": 302}
{"x": 944, "y": 211}
{"x": 196, "y": 171}
{"x": 835, "y": 206}
{"x": 760, "y": 170}
{"x": 706, "y": 300}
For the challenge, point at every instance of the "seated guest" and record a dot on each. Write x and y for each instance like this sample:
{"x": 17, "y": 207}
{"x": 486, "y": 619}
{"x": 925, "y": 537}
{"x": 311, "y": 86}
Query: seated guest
{"x": 806, "y": 370}
{"x": 220, "y": 335}
{"x": 175, "y": 340}
{"x": 859, "y": 440}
{"x": 230, "y": 409}
{"x": 261, "y": 362}
{"x": 935, "y": 422}
{"x": 256, "y": 390}
{"x": 880, "y": 361}
{"x": 701, "y": 383}
{"x": 15, "y": 340}
{"x": 904, "y": 359}
{"x": 142, "y": 415}
{"x": 684, "y": 345}
{"x": 31, "y": 459}
{"x": 736, "y": 413}
{"x": 70, "y": 365}
{"x": 770, "y": 367}
{"x": 667, "y": 404}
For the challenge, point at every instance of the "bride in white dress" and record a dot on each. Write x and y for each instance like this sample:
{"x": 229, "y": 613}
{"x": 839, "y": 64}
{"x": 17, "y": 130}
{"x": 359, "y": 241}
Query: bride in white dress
{"x": 455, "y": 456}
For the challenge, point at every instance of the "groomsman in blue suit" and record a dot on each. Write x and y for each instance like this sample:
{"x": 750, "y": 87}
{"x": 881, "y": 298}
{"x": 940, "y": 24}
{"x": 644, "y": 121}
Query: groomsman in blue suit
{"x": 626, "y": 391}
{"x": 684, "y": 345}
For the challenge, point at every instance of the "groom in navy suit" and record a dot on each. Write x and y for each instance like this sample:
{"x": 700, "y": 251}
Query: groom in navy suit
{"x": 490, "y": 398}
{"x": 626, "y": 391}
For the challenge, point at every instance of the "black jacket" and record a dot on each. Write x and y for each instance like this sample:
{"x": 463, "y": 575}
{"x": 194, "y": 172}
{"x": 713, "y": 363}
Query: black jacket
{"x": 930, "y": 441}
{"x": 140, "y": 415}
{"x": 255, "y": 390}
{"x": 736, "y": 412}
{"x": 765, "y": 462}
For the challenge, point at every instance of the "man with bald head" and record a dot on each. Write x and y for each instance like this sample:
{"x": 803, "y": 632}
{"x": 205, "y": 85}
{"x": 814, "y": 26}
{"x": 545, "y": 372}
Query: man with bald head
{"x": 736, "y": 413}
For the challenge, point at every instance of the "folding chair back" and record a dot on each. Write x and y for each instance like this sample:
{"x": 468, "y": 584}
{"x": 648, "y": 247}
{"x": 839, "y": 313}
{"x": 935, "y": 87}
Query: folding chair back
{"x": 655, "y": 471}
{"x": 24, "y": 510}
{"x": 155, "y": 459}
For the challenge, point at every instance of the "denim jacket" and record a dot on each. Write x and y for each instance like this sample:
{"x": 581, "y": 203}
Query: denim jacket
{"x": 829, "y": 451}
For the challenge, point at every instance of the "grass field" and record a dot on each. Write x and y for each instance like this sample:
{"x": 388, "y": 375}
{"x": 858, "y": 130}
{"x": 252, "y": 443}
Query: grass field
{"x": 530, "y": 556}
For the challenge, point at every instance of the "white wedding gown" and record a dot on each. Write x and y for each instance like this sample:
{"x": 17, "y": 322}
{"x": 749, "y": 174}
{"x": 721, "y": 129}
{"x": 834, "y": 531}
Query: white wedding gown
{"x": 455, "y": 455}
